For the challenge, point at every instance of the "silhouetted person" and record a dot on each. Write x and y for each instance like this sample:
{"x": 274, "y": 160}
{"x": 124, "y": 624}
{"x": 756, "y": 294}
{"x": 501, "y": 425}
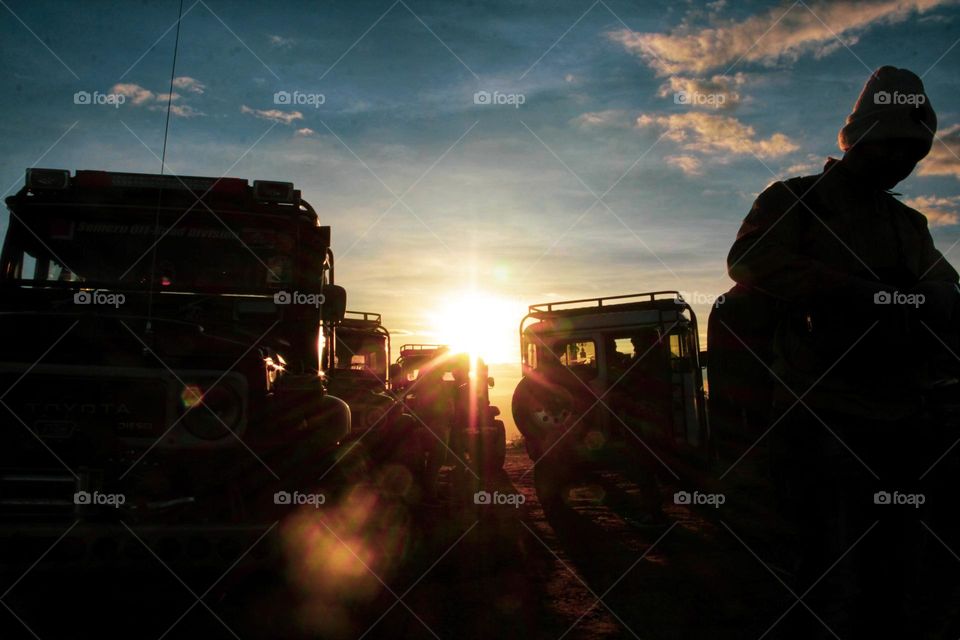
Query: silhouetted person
{"x": 844, "y": 257}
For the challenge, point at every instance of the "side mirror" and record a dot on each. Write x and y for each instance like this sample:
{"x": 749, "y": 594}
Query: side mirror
{"x": 490, "y": 382}
{"x": 395, "y": 371}
{"x": 334, "y": 304}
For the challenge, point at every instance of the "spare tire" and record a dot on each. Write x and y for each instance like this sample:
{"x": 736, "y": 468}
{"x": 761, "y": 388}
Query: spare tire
{"x": 542, "y": 411}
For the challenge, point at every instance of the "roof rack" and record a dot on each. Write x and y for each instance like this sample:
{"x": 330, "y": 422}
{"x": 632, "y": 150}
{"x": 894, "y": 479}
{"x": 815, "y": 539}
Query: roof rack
{"x": 363, "y": 316}
{"x": 423, "y": 347}
{"x": 547, "y": 308}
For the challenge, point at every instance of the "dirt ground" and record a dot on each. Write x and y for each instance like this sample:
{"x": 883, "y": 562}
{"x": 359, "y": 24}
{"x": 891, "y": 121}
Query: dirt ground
{"x": 367, "y": 566}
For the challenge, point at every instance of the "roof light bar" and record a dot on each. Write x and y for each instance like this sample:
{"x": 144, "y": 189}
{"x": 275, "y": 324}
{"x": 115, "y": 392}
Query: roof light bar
{"x": 47, "y": 179}
{"x": 271, "y": 191}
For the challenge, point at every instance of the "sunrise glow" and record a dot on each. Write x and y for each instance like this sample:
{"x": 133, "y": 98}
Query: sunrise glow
{"x": 480, "y": 323}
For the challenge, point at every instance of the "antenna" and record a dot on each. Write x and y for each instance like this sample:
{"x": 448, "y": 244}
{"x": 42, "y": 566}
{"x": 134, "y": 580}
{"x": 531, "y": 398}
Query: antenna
{"x": 163, "y": 165}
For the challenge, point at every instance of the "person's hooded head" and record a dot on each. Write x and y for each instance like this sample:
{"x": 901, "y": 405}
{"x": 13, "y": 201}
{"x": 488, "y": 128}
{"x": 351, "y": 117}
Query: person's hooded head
{"x": 891, "y": 128}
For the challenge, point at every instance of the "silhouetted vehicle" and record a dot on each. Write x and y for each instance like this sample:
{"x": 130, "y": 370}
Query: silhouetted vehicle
{"x": 613, "y": 374}
{"x": 428, "y": 374}
{"x": 162, "y": 350}
{"x": 358, "y": 371}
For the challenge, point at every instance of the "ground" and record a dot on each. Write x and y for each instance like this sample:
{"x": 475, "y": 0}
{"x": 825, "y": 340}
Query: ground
{"x": 366, "y": 565}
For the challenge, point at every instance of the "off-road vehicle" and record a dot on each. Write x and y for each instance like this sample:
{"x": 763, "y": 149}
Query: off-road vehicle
{"x": 161, "y": 362}
{"x": 427, "y": 373}
{"x": 618, "y": 374}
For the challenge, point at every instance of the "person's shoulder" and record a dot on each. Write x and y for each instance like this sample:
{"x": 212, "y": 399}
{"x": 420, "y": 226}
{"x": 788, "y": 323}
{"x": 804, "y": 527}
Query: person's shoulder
{"x": 785, "y": 192}
{"x": 917, "y": 218}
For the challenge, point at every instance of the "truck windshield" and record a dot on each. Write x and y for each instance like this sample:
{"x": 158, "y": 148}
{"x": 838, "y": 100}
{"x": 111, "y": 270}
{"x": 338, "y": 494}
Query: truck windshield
{"x": 198, "y": 252}
{"x": 363, "y": 352}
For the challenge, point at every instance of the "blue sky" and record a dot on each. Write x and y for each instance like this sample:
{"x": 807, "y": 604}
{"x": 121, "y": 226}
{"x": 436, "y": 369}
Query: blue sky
{"x": 498, "y": 197}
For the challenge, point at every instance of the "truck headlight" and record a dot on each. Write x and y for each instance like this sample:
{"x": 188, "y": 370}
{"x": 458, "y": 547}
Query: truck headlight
{"x": 211, "y": 413}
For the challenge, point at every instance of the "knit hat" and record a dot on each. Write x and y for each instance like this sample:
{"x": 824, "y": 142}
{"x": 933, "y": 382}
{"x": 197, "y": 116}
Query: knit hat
{"x": 892, "y": 105}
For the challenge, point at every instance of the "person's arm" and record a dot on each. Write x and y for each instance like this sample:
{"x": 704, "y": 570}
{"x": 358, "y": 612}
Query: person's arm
{"x": 938, "y": 279}
{"x": 767, "y": 254}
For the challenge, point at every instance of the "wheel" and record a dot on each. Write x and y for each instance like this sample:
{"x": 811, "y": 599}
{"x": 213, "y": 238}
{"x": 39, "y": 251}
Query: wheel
{"x": 542, "y": 413}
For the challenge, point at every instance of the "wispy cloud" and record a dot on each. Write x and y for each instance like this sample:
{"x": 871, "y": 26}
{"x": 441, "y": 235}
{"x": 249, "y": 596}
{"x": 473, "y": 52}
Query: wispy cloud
{"x": 305, "y": 132}
{"x": 274, "y": 115}
{"x": 606, "y": 118}
{"x": 280, "y": 42}
{"x": 782, "y": 32}
{"x": 186, "y": 83}
{"x": 718, "y": 92}
{"x": 136, "y": 94}
{"x": 940, "y": 212}
{"x": 944, "y": 157}
{"x": 711, "y": 134}
{"x": 142, "y": 97}
{"x": 688, "y": 164}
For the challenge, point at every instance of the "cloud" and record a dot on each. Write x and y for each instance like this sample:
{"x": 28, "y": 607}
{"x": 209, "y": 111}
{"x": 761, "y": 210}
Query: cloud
{"x": 710, "y": 134}
{"x": 940, "y": 212}
{"x": 183, "y": 111}
{"x": 813, "y": 164}
{"x": 281, "y": 42}
{"x": 943, "y": 159}
{"x": 783, "y": 32}
{"x": 688, "y": 164}
{"x": 187, "y": 83}
{"x": 140, "y": 96}
{"x": 607, "y": 118}
{"x": 718, "y": 92}
{"x": 134, "y": 93}
{"x": 304, "y": 132}
{"x": 274, "y": 115}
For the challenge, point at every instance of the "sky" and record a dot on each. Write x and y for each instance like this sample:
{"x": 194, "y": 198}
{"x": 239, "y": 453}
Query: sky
{"x": 473, "y": 158}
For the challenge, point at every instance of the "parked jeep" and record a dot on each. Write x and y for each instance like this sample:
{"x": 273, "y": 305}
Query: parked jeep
{"x": 162, "y": 363}
{"x": 614, "y": 375}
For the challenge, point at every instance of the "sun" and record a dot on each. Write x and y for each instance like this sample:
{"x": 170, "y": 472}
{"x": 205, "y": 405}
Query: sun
{"x": 480, "y": 323}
